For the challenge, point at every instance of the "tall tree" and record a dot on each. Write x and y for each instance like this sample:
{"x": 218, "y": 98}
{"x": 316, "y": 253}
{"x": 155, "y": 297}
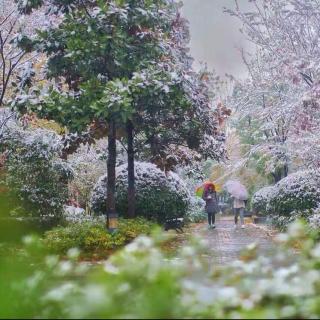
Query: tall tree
{"x": 279, "y": 101}
{"x": 124, "y": 64}
{"x": 12, "y": 58}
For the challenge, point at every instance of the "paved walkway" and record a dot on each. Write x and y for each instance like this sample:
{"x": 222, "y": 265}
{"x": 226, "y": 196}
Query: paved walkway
{"x": 226, "y": 243}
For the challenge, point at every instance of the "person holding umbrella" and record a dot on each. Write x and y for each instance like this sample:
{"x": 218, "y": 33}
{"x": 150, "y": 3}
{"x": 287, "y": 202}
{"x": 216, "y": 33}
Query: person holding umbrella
{"x": 238, "y": 209}
{"x": 240, "y": 195}
{"x": 210, "y": 197}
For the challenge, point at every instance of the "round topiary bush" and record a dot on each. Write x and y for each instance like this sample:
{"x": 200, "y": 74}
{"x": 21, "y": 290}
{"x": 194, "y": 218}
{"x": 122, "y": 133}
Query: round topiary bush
{"x": 158, "y": 197}
{"x": 261, "y": 199}
{"x": 299, "y": 191}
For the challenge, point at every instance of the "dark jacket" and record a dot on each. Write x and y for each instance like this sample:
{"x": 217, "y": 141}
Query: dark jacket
{"x": 211, "y": 201}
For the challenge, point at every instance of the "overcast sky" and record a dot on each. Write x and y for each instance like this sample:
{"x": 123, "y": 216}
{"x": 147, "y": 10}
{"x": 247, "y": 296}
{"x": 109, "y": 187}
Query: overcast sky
{"x": 215, "y": 35}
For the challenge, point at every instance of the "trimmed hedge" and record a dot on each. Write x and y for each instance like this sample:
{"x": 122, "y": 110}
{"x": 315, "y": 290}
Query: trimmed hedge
{"x": 298, "y": 191}
{"x": 92, "y": 237}
{"x": 158, "y": 197}
{"x": 295, "y": 196}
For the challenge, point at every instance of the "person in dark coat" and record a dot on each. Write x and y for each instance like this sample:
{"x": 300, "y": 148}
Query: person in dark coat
{"x": 210, "y": 197}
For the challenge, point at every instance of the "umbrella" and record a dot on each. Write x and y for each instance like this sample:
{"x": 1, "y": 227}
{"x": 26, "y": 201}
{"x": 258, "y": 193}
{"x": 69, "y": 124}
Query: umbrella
{"x": 200, "y": 189}
{"x": 236, "y": 189}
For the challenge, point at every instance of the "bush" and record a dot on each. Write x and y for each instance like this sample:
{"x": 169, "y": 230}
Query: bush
{"x": 281, "y": 222}
{"x": 88, "y": 165}
{"x": 294, "y": 197}
{"x": 299, "y": 191}
{"x": 314, "y": 219}
{"x": 140, "y": 282}
{"x": 92, "y": 237}
{"x": 34, "y": 171}
{"x": 260, "y": 200}
{"x": 158, "y": 197}
{"x": 310, "y": 216}
{"x": 196, "y": 212}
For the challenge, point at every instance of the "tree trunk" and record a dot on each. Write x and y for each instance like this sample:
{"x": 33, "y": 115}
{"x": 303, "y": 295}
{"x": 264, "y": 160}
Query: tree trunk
{"x": 111, "y": 168}
{"x": 277, "y": 176}
{"x": 285, "y": 170}
{"x": 131, "y": 179}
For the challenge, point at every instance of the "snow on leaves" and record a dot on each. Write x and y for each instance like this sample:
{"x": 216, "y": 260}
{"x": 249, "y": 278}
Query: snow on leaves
{"x": 158, "y": 196}
{"x": 279, "y": 102}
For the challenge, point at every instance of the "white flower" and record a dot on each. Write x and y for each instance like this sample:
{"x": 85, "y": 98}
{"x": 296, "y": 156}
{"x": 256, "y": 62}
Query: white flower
{"x": 73, "y": 253}
{"x": 60, "y": 293}
{"x": 51, "y": 261}
{"x": 110, "y": 268}
{"x": 64, "y": 267}
{"x": 316, "y": 251}
{"x": 28, "y": 240}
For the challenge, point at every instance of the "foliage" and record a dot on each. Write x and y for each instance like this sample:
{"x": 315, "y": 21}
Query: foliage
{"x": 158, "y": 196}
{"x": 123, "y": 63}
{"x": 299, "y": 191}
{"x": 196, "y": 212}
{"x": 261, "y": 198}
{"x": 314, "y": 219}
{"x": 93, "y": 238}
{"x": 123, "y": 72}
{"x": 13, "y": 60}
{"x": 73, "y": 214}
{"x": 310, "y": 216}
{"x": 88, "y": 164}
{"x": 278, "y": 110}
{"x": 281, "y": 284}
{"x": 296, "y": 196}
{"x": 34, "y": 170}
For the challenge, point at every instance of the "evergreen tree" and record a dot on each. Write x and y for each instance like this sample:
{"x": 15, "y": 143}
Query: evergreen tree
{"x": 122, "y": 63}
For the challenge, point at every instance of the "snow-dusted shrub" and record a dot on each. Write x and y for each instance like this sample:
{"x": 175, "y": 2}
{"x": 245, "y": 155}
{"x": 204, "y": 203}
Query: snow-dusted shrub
{"x": 260, "y": 200}
{"x": 310, "y": 216}
{"x": 314, "y": 219}
{"x": 158, "y": 196}
{"x": 292, "y": 196}
{"x": 281, "y": 283}
{"x": 281, "y": 222}
{"x": 196, "y": 212}
{"x": 73, "y": 214}
{"x": 89, "y": 165}
{"x": 299, "y": 191}
{"x": 34, "y": 170}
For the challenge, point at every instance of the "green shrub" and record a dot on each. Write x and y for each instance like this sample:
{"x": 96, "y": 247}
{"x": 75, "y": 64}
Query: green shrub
{"x": 281, "y": 222}
{"x": 295, "y": 196}
{"x": 260, "y": 200}
{"x": 310, "y": 216}
{"x": 196, "y": 212}
{"x": 35, "y": 173}
{"x": 92, "y": 237}
{"x": 158, "y": 196}
{"x": 140, "y": 282}
{"x": 299, "y": 191}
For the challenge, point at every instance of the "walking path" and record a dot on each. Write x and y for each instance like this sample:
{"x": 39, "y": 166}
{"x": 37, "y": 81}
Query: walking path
{"x": 226, "y": 243}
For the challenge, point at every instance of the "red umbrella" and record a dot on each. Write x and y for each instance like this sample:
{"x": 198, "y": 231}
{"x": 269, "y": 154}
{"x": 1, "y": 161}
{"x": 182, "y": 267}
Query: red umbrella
{"x": 204, "y": 187}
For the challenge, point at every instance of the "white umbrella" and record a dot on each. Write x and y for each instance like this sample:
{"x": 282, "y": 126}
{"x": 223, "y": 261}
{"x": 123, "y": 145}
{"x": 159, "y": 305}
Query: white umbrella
{"x": 236, "y": 189}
